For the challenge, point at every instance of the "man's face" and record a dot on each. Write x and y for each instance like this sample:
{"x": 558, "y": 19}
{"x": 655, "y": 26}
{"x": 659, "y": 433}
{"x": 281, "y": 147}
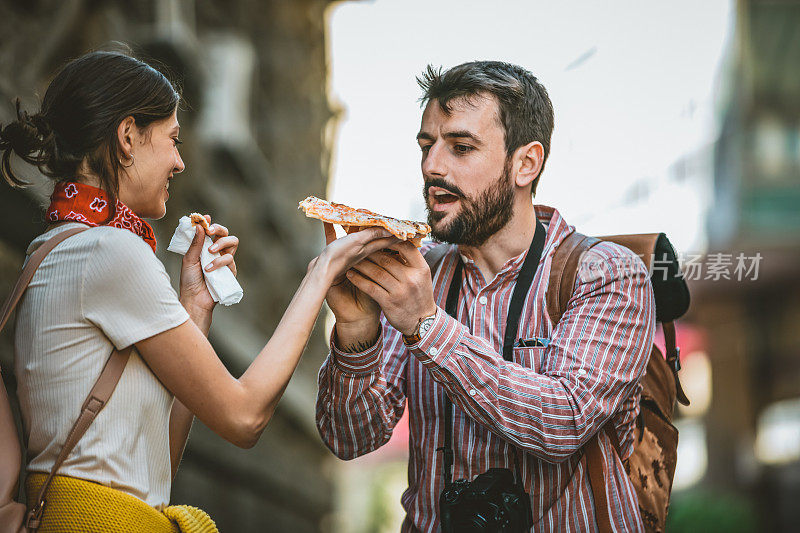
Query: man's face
{"x": 467, "y": 184}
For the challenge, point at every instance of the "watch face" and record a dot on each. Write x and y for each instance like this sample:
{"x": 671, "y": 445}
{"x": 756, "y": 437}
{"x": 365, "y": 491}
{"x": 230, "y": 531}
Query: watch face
{"x": 425, "y": 325}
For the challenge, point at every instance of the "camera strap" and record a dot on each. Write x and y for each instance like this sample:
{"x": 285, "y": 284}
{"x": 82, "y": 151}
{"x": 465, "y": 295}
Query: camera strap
{"x": 523, "y": 285}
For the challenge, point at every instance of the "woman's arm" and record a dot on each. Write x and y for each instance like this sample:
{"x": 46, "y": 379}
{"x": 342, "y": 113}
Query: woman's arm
{"x": 180, "y": 423}
{"x": 198, "y": 302}
{"x": 181, "y": 418}
{"x": 239, "y": 409}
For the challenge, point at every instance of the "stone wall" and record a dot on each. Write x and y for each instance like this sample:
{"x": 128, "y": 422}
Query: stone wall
{"x": 254, "y": 123}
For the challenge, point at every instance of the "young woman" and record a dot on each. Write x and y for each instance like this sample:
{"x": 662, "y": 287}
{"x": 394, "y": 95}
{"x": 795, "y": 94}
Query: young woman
{"x": 107, "y": 133}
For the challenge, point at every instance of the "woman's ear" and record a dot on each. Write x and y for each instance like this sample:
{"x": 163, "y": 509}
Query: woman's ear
{"x": 530, "y": 158}
{"x": 126, "y": 131}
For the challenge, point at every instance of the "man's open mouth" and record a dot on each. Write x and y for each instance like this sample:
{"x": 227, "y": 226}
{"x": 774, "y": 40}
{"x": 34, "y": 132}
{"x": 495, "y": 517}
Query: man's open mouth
{"x": 441, "y": 196}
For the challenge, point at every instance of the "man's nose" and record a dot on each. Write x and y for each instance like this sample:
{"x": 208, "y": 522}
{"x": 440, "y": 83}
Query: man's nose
{"x": 433, "y": 163}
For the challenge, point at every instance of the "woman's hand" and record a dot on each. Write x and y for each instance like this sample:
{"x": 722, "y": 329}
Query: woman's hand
{"x": 194, "y": 293}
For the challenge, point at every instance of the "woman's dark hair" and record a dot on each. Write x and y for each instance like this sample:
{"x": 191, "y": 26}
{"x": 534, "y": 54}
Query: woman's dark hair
{"x": 80, "y": 113}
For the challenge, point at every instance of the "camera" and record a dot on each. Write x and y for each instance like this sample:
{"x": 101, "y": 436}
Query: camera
{"x": 492, "y": 502}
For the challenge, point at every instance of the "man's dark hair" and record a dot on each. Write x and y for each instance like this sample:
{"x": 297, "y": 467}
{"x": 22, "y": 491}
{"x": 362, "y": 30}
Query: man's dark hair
{"x": 526, "y": 112}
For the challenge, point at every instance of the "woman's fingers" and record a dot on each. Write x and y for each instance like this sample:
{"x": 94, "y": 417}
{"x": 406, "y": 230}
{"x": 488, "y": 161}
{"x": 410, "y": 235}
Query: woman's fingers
{"x": 225, "y": 245}
{"x": 410, "y": 253}
{"x": 221, "y": 261}
{"x": 376, "y": 245}
{"x": 330, "y": 232}
{"x": 217, "y": 231}
{"x": 193, "y": 253}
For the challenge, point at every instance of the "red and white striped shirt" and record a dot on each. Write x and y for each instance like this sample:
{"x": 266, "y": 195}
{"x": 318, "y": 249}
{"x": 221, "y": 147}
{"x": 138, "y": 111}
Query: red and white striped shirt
{"x": 548, "y": 402}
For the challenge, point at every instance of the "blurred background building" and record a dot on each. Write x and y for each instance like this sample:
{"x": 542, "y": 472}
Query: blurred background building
{"x": 256, "y": 124}
{"x": 752, "y": 338}
{"x": 681, "y": 117}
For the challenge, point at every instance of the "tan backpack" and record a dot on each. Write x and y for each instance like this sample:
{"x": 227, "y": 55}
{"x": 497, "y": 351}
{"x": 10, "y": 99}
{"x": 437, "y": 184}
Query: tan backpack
{"x": 13, "y": 515}
{"x": 651, "y": 466}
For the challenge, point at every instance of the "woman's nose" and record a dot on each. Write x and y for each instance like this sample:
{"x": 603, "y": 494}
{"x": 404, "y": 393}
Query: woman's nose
{"x": 179, "y": 166}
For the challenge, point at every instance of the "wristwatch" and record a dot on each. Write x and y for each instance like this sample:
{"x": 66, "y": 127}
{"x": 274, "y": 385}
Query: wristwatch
{"x": 425, "y": 323}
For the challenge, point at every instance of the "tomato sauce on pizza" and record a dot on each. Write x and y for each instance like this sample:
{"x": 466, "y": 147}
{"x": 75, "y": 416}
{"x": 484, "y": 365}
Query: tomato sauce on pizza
{"x": 352, "y": 219}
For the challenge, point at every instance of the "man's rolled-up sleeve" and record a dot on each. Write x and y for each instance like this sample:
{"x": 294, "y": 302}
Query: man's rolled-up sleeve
{"x": 361, "y": 395}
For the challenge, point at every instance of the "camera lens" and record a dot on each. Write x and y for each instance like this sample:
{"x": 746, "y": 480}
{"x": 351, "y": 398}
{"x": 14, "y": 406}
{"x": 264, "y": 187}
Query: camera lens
{"x": 476, "y": 523}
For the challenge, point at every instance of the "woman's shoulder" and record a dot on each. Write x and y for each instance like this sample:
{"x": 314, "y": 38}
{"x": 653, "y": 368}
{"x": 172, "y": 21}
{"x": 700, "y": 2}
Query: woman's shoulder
{"x": 99, "y": 243}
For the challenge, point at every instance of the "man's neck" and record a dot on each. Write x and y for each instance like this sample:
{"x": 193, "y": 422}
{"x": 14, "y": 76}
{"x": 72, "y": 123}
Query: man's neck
{"x": 507, "y": 243}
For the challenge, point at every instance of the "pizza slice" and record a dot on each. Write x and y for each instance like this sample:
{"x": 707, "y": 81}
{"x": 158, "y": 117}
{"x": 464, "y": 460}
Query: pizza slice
{"x": 352, "y": 219}
{"x": 197, "y": 218}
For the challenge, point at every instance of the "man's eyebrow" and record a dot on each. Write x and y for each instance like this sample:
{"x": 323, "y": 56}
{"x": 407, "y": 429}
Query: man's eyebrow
{"x": 463, "y": 134}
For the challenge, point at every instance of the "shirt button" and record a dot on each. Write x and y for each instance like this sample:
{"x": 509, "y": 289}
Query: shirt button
{"x": 581, "y": 371}
{"x": 434, "y": 352}
{"x": 472, "y": 392}
{"x": 483, "y": 300}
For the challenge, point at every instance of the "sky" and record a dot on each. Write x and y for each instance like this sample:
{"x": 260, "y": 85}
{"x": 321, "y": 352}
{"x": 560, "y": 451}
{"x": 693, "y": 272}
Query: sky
{"x": 634, "y": 84}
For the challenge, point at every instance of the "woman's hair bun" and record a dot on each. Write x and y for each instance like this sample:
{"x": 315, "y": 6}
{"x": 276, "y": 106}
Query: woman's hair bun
{"x": 27, "y": 136}
{"x": 75, "y": 129}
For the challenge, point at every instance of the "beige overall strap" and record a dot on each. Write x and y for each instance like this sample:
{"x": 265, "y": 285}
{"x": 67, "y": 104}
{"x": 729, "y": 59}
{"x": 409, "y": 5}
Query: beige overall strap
{"x": 30, "y": 269}
{"x": 100, "y": 393}
{"x": 95, "y": 401}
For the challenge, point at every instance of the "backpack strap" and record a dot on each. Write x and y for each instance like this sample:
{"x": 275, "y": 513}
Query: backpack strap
{"x": 563, "y": 271}
{"x": 10, "y": 463}
{"x": 673, "y": 357}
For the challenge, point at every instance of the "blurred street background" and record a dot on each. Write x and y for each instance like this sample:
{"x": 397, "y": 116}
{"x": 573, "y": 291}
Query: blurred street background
{"x": 682, "y": 117}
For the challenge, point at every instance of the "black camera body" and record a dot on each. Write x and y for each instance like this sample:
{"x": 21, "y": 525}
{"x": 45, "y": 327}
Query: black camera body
{"x": 492, "y": 502}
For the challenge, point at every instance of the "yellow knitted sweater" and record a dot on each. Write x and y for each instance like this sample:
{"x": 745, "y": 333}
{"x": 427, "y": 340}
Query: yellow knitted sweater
{"x": 76, "y": 505}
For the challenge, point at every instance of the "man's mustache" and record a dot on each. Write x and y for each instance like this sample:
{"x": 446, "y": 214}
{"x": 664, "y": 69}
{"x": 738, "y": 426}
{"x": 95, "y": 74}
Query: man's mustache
{"x": 441, "y": 183}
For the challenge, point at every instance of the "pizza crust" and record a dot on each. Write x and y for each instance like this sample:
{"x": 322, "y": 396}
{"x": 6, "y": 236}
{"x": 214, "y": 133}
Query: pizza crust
{"x": 352, "y": 219}
{"x": 197, "y": 218}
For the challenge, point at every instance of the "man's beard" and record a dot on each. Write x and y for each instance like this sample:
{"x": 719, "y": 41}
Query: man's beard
{"x": 479, "y": 218}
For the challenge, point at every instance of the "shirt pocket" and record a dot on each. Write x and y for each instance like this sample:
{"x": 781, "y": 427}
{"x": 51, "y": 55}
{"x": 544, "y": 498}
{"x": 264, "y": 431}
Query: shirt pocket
{"x": 530, "y": 357}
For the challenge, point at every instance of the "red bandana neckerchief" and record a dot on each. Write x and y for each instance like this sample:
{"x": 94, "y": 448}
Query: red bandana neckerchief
{"x": 79, "y": 202}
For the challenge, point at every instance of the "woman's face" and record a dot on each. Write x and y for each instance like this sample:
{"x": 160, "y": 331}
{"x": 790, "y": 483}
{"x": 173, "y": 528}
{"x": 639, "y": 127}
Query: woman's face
{"x": 143, "y": 184}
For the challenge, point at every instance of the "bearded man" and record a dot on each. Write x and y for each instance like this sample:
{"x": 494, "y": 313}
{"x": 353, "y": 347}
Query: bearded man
{"x": 437, "y": 340}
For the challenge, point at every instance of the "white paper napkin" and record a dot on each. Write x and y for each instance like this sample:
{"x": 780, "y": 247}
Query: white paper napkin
{"x": 221, "y": 283}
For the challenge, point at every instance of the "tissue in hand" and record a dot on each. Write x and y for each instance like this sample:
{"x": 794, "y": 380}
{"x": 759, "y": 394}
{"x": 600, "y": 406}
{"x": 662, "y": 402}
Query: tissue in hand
{"x": 221, "y": 283}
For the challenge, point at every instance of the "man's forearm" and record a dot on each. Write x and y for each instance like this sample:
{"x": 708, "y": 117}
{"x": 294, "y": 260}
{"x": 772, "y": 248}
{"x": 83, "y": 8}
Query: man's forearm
{"x": 356, "y": 337}
{"x": 358, "y": 406}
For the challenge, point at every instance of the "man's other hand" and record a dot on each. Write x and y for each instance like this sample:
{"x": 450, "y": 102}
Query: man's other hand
{"x": 400, "y": 282}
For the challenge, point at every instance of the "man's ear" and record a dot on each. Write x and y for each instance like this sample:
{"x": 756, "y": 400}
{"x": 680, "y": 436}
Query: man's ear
{"x": 529, "y": 160}
{"x": 126, "y": 131}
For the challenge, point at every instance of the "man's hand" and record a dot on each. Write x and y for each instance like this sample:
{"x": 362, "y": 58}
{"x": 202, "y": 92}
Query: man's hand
{"x": 400, "y": 283}
{"x": 357, "y": 315}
